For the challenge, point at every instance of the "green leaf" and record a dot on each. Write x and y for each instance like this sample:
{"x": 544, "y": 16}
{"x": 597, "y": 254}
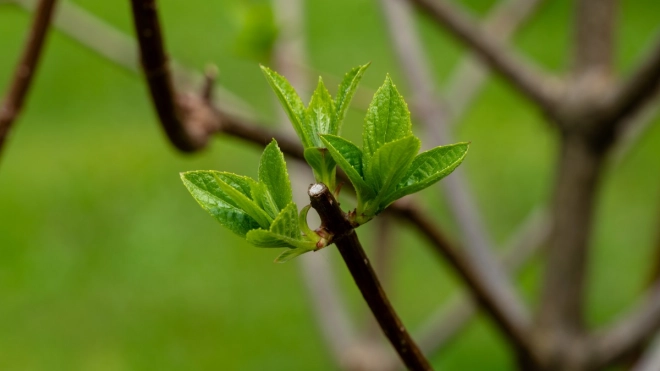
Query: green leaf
{"x": 263, "y": 199}
{"x": 323, "y": 165}
{"x": 428, "y": 168}
{"x": 387, "y": 119}
{"x": 320, "y": 112}
{"x": 304, "y": 227}
{"x": 283, "y": 232}
{"x": 245, "y": 203}
{"x": 286, "y": 223}
{"x": 289, "y": 254}
{"x": 204, "y": 189}
{"x": 291, "y": 103}
{"x": 389, "y": 165}
{"x": 349, "y": 158}
{"x": 273, "y": 173}
{"x": 345, "y": 95}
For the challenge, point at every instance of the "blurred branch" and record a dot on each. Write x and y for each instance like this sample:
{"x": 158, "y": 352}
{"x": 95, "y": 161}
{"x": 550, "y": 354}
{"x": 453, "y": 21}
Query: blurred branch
{"x": 633, "y": 330}
{"x": 504, "y": 313}
{"x": 594, "y": 38}
{"x": 470, "y": 75}
{"x": 185, "y": 131}
{"x": 637, "y": 90}
{"x": 334, "y": 222}
{"x": 26, "y": 68}
{"x": 651, "y": 359}
{"x": 444, "y": 325}
{"x": 527, "y": 79}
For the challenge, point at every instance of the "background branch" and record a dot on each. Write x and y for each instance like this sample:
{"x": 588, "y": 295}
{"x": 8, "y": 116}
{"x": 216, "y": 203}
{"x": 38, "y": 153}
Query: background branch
{"x": 527, "y": 79}
{"x": 26, "y": 68}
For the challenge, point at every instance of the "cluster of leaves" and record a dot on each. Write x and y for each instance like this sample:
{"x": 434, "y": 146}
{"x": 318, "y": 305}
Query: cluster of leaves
{"x": 387, "y": 167}
{"x": 261, "y": 211}
{"x": 323, "y": 115}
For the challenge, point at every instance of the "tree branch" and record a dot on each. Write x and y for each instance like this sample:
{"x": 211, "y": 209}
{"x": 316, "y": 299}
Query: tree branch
{"x": 334, "y": 222}
{"x": 528, "y": 80}
{"x": 594, "y": 38}
{"x": 27, "y": 66}
{"x": 187, "y": 133}
{"x": 651, "y": 359}
{"x": 513, "y": 324}
{"x": 637, "y": 90}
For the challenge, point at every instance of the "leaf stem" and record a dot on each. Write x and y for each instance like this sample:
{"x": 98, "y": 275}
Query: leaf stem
{"x": 344, "y": 237}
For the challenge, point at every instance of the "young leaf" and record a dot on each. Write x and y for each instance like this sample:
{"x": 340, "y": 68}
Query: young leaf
{"x": 291, "y": 103}
{"x": 283, "y": 232}
{"x": 273, "y": 173}
{"x": 244, "y": 203}
{"x": 323, "y": 165}
{"x": 264, "y": 200}
{"x": 289, "y": 254}
{"x": 390, "y": 164}
{"x": 204, "y": 189}
{"x": 345, "y": 95}
{"x": 387, "y": 120}
{"x": 349, "y": 158}
{"x": 319, "y": 113}
{"x": 428, "y": 168}
{"x": 286, "y": 223}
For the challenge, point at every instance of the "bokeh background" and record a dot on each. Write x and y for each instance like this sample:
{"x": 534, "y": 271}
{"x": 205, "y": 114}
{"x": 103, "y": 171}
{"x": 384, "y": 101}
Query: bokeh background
{"x": 106, "y": 262}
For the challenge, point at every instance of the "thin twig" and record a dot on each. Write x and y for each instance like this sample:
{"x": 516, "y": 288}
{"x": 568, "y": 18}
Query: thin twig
{"x": 26, "y": 68}
{"x": 185, "y": 133}
{"x": 529, "y": 80}
{"x": 651, "y": 359}
{"x": 335, "y": 223}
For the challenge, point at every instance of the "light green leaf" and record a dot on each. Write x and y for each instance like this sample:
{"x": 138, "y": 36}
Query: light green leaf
{"x": 428, "y": 168}
{"x": 345, "y": 95}
{"x": 304, "y": 227}
{"x": 320, "y": 112}
{"x": 291, "y": 103}
{"x": 387, "y": 120}
{"x": 204, "y": 189}
{"x": 349, "y": 158}
{"x": 263, "y": 199}
{"x": 289, "y": 254}
{"x": 390, "y": 164}
{"x": 286, "y": 223}
{"x": 323, "y": 165}
{"x": 244, "y": 203}
{"x": 264, "y": 238}
{"x": 273, "y": 173}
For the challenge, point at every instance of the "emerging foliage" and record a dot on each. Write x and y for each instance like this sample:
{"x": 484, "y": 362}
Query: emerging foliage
{"x": 386, "y": 168}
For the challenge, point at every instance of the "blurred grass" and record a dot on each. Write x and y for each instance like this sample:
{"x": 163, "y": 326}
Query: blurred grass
{"x": 107, "y": 264}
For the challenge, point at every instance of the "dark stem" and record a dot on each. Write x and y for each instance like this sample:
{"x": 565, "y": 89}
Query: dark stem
{"x": 27, "y": 65}
{"x": 334, "y": 221}
{"x": 187, "y": 133}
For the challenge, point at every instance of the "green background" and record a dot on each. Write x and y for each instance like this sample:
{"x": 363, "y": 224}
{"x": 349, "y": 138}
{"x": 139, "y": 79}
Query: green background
{"x": 106, "y": 262}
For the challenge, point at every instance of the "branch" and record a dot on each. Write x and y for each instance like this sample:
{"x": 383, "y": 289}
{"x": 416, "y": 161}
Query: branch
{"x": 513, "y": 324}
{"x": 186, "y": 132}
{"x": 470, "y": 75}
{"x": 528, "y": 80}
{"x": 444, "y": 325}
{"x": 651, "y": 359}
{"x": 27, "y": 65}
{"x": 637, "y": 90}
{"x": 631, "y": 331}
{"x": 594, "y": 38}
{"x": 334, "y": 221}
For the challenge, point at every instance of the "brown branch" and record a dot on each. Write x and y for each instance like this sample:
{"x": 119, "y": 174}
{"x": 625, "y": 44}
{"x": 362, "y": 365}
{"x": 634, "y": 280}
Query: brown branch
{"x": 514, "y": 325}
{"x": 560, "y": 319}
{"x": 651, "y": 359}
{"x": 594, "y": 38}
{"x": 528, "y": 80}
{"x": 470, "y": 75}
{"x": 27, "y": 66}
{"x": 635, "y": 91}
{"x": 335, "y": 223}
{"x": 187, "y": 133}
{"x": 444, "y": 325}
